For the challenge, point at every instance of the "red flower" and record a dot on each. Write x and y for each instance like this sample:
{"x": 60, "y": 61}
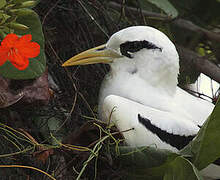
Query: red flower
{"x": 18, "y": 50}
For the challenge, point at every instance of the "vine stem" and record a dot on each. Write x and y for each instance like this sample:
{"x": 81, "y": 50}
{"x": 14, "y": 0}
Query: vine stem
{"x": 28, "y": 167}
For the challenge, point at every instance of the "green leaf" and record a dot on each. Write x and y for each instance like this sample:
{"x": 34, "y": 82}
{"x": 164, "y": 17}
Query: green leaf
{"x": 2, "y": 34}
{"x": 4, "y": 17}
{"x": 201, "y": 51}
{"x": 49, "y": 126}
{"x": 165, "y": 5}
{"x": 37, "y": 65}
{"x": 145, "y": 162}
{"x": 54, "y": 126}
{"x": 27, "y": 4}
{"x": 2, "y": 3}
{"x": 204, "y": 149}
{"x": 182, "y": 169}
{"x": 20, "y": 12}
{"x": 151, "y": 163}
{"x": 20, "y": 2}
{"x": 17, "y": 26}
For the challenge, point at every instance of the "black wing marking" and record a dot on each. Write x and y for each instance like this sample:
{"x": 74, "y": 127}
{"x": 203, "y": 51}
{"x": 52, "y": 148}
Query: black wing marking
{"x": 174, "y": 140}
{"x": 217, "y": 162}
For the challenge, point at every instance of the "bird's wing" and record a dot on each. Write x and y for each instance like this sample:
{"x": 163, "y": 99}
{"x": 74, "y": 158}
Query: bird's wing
{"x": 197, "y": 108}
{"x": 149, "y": 126}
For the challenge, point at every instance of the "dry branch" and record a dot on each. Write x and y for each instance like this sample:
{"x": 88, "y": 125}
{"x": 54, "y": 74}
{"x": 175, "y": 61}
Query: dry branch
{"x": 186, "y": 24}
{"x": 202, "y": 64}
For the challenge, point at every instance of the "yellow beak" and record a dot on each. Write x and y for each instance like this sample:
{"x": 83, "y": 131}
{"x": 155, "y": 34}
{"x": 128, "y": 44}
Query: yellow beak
{"x": 95, "y": 55}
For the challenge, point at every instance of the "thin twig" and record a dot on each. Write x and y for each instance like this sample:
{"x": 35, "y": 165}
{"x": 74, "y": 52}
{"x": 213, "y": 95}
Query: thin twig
{"x": 48, "y": 12}
{"x": 27, "y": 167}
{"x": 92, "y": 18}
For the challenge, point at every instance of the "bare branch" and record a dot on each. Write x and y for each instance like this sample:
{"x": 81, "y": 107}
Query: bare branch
{"x": 202, "y": 64}
{"x": 188, "y": 25}
{"x": 192, "y": 27}
{"x": 135, "y": 11}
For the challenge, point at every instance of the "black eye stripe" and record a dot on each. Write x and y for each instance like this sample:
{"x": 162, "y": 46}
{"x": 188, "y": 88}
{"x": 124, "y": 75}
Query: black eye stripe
{"x": 135, "y": 46}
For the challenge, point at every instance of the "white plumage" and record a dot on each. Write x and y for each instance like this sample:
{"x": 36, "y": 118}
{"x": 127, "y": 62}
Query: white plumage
{"x": 142, "y": 89}
{"x": 125, "y": 110}
{"x": 154, "y": 83}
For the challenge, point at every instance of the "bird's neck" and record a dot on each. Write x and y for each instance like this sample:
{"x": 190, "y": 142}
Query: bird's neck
{"x": 162, "y": 78}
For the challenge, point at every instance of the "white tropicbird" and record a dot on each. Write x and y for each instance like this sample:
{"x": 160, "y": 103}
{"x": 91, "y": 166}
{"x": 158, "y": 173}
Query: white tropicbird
{"x": 142, "y": 89}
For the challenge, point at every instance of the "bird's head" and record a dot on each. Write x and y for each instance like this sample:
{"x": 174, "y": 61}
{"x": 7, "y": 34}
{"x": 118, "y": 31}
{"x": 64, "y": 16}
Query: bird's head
{"x": 141, "y": 48}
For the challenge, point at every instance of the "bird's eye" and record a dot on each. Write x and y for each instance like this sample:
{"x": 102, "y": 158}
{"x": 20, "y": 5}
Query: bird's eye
{"x": 130, "y": 47}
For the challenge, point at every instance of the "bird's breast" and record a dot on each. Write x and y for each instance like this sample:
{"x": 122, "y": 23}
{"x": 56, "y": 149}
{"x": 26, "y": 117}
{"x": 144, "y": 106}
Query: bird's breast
{"x": 134, "y": 88}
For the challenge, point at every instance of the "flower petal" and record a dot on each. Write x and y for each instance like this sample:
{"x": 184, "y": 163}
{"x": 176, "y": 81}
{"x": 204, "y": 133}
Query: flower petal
{"x": 10, "y": 40}
{"x": 3, "y": 55}
{"x": 25, "y": 39}
{"x": 18, "y": 60}
{"x": 29, "y": 50}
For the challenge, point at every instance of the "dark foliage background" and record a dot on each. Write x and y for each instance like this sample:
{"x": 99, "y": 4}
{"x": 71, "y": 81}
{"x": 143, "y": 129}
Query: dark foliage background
{"x": 71, "y": 26}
